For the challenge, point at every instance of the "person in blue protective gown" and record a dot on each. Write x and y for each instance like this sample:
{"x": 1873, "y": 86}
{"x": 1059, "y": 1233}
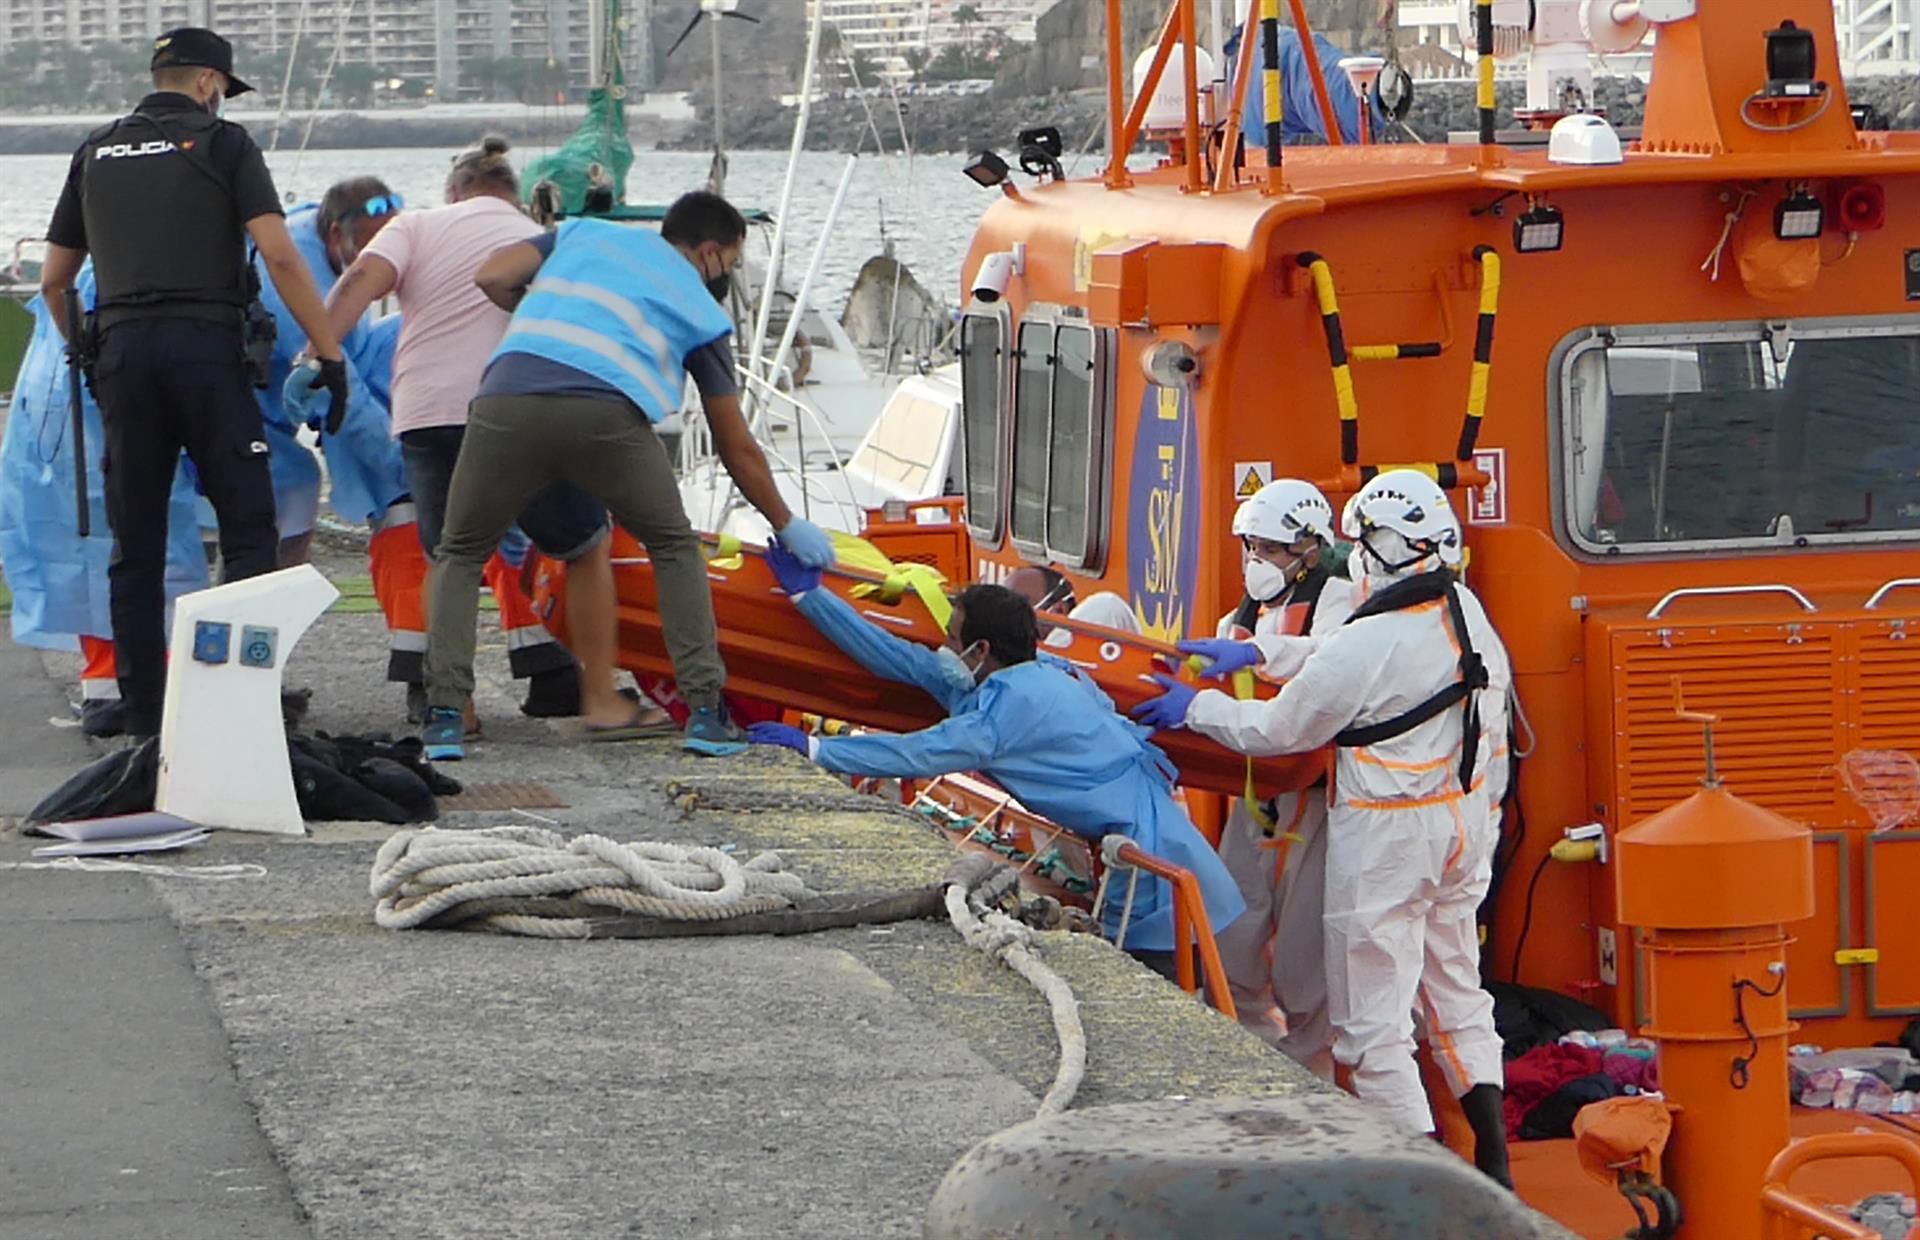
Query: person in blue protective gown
{"x": 1300, "y": 106}
{"x": 366, "y": 479}
{"x": 1028, "y": 721}
{"x": 57, "y": 578}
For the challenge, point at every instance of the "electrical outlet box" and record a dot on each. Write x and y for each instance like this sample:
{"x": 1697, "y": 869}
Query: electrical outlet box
{"x": 211, "y": 641}
{"x": 258, "y": 645}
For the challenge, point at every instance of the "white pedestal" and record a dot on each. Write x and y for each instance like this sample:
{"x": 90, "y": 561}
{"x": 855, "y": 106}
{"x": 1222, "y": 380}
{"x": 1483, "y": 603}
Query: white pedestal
{"x": 223, "y": 748}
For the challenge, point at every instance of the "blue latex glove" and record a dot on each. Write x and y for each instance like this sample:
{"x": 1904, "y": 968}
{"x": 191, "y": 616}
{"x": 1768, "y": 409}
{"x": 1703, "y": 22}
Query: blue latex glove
{"x": 1169, "y": 710}
{"x": 1226, "y": 656}
{"x": 303, "y": 403}
{"x": 794, "y": 577}
{"x": 808, "y": 542}
{"x": 778, "y": 734}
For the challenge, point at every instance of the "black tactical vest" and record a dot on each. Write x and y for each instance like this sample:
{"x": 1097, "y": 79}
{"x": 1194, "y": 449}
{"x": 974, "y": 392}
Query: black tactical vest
{"x": 162, "y": 224}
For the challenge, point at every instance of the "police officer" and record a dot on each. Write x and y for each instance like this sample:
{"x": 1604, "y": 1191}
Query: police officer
{"x": 165, "y": 199}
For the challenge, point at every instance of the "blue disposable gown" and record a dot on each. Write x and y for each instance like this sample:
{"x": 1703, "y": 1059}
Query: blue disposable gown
{"x": 1050, "y": 737}
{"x": 58, "y": 579}
{"x": 1302, "y": 110}
{"x": 364, "y": 472}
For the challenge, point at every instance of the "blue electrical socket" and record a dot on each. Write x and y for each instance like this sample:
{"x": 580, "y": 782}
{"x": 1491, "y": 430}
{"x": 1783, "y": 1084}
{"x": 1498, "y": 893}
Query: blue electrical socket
{"x": 211, "y": 639}
{"x": 257, "y": 643}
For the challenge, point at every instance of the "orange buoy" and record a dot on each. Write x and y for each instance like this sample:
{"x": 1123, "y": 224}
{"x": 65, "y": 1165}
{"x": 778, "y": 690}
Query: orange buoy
{"x": 1713, "y": 881}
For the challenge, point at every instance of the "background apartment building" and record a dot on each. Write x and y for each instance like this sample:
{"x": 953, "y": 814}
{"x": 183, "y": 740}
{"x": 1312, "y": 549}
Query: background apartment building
{"x": 439, "y": 41}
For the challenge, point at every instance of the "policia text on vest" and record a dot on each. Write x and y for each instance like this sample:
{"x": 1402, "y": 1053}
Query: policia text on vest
{"x": 165, "y": 201}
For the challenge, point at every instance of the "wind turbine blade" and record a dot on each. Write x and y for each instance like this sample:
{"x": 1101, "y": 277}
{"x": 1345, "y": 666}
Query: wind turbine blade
{"x": 697, "y": 15}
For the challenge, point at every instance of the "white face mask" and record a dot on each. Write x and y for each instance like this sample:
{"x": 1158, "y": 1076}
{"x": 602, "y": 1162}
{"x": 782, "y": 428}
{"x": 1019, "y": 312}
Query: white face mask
{"x": 1265, "y": 582}
{"x": 955, "y": 668}
{"x": 1381, "y": 549}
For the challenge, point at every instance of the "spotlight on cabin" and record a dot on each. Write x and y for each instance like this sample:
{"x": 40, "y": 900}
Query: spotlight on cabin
{"x": 1799, "y": 216}
{"x": 986, "y": 170}
{"x": 1790, "y": 62}
{"x": 1040, "y": 150}
{"x": 1867, "y": 118}
{"x": 1539, "y": 229}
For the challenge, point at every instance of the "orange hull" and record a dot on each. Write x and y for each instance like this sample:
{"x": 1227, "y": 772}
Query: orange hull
{"x": 772, "y": 653}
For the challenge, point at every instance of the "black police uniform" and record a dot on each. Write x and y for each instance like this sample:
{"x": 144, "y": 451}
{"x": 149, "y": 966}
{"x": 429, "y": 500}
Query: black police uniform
{"x": 161, "y": 198}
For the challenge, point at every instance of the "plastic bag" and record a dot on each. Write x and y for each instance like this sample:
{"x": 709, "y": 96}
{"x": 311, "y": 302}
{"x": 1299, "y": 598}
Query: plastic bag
{"x": 124, "y": 782}
{"x": 1885, "y": 782}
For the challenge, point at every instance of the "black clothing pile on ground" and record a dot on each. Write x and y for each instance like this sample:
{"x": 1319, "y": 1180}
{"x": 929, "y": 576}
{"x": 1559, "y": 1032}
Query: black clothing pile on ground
{"x": 370, "y": 778}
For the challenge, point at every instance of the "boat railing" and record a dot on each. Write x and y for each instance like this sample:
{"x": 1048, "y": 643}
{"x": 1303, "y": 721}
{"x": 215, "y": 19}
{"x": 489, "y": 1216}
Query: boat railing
{"x": 1789, "y": 1216}
{"x": 697, "y": 446}
{"x": 1192, "y": 929}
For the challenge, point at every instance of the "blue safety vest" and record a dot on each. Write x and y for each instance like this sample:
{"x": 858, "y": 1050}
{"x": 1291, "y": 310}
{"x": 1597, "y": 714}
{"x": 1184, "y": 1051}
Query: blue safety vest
{"x": 622, "y": 305}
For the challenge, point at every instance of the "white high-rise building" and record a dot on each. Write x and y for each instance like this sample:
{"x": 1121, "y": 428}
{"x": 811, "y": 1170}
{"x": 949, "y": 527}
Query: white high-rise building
{"x": 883, "y": 30}
{"x": 429, "y": 40}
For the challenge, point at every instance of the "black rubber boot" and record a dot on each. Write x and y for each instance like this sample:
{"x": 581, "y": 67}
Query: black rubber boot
{"x": 553, "y": 694}
{"x": 1486, "y": 1115}
{"x": 103, "y": 717}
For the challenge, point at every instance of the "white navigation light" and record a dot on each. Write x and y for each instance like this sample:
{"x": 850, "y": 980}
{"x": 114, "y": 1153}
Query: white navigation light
{"x": 1540, "y": 229}
{"x": 1799, "y": 216}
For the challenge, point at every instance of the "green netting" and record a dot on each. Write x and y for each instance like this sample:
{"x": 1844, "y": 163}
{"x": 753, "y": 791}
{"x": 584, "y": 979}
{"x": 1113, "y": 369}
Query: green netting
{"x": 601, "y": 139}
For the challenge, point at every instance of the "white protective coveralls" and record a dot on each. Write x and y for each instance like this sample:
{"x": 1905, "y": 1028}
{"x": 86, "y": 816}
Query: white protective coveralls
{"x": 1274, "y": 956}
{"x": 1409, "y": 849}
{"x": 1104, "y": 608}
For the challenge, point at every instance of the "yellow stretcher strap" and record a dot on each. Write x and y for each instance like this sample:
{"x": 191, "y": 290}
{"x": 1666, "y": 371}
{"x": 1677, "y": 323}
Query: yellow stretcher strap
{"x": 897, "y": 579}
{"x": 1249, "y": 795}
{"x": 862, "y": 556}
{"x": 725, "y": 553}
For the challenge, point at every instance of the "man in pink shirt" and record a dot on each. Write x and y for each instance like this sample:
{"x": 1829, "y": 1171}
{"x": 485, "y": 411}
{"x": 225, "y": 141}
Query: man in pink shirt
{"x": 448, "y": 329}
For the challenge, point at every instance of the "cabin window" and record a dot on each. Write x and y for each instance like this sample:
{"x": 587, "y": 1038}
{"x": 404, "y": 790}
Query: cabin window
{"x": 982, "y": 383}
{"x": 1698, "y": 437}
{"x": 1032, "y": 433}
{"x": 1071, "y": 500}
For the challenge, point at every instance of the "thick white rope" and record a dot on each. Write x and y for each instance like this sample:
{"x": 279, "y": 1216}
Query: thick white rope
{"x": 1009, "y": 942}
{"x": 491, "y": 877}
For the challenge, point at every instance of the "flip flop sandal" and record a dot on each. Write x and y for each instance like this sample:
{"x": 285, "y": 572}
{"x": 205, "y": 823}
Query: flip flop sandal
{"x": 643, "y": 724}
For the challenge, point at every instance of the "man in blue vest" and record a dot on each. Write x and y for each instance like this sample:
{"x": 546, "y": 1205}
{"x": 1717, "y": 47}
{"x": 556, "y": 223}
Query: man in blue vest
{"x": 608, "y": 322}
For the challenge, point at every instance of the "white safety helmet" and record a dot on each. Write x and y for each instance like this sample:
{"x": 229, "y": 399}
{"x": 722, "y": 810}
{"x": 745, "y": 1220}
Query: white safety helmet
{"x": 1412, "y": 505}
{"x": 1284, "y": 510}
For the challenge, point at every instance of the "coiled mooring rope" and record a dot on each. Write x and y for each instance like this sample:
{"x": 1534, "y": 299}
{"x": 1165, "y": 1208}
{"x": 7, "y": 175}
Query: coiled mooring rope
{"x": 1008, "y": 941}
{"x": 531, "y": 881}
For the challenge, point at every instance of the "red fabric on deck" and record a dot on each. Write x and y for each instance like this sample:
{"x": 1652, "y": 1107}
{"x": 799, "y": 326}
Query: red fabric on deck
{"x": 1536, "y": 1075}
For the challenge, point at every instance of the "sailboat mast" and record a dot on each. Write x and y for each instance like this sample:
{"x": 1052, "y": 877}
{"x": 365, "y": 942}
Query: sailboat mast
{"x": 719, "y": 96}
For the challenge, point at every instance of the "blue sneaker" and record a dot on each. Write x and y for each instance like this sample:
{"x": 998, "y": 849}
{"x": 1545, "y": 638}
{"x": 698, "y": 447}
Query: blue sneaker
{"x": 444, "y": 734}
{"x": 710, "y": 732}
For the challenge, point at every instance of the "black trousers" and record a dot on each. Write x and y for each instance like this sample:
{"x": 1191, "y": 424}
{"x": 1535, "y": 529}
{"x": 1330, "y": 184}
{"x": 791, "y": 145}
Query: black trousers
{"x": 164, "y": 386}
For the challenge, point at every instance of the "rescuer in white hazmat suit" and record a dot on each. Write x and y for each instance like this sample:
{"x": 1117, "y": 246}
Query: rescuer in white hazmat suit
{"x": 1277, "y": 850}
{"x": 1412, "y": 692}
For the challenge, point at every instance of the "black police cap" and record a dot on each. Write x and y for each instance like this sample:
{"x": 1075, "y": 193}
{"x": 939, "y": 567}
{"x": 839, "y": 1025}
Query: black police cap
{"x": 198, "y": 48}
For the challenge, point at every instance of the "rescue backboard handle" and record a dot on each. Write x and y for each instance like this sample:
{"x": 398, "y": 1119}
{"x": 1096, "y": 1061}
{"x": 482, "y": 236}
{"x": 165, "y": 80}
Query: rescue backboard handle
{"x": 1806, "y": 604}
